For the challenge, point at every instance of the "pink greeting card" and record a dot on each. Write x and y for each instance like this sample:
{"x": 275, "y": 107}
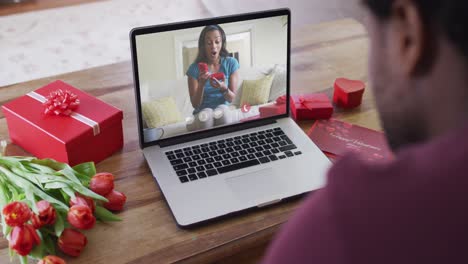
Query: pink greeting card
{"x": 336, "y": 138}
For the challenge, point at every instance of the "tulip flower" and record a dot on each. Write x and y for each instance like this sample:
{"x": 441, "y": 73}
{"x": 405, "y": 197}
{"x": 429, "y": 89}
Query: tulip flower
{"x": 51, "y": 259}
{"x": 16, "y": 213}
{"x": 72, "y": 242}
{"x": 81, "y": 216}
{"x": 83, "y": 200}
{"x": 23, "y": 239}
{"x": 102, "y": 183}
{"x": 116, "y": 200}
{"x": 46, "y": 216}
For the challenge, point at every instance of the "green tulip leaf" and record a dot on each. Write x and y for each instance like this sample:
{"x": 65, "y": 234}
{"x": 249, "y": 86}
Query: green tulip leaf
{"x": 54, "y": 165}
{"x": 105, "y": 215}
{"x": 28, "y": 176}
{"x": 70, "y": 174}
{"x": 30, "y": 197}
{"x": 23, "y": 259}
{"x": 49, "y": 244}
{"x": 55, "y": 185}
{"x": 59, "y": 225}
{"x": 41, "y": 168}
{"x": 87, "y": 169}
{"x": 38, "y": 251}
{"x": 69, "y": 194}
{"x": 87, "y": 192}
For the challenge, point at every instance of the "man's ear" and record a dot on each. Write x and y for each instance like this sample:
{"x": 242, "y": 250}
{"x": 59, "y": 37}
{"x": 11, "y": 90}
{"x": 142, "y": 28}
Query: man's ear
{"x": 410, "y": 38}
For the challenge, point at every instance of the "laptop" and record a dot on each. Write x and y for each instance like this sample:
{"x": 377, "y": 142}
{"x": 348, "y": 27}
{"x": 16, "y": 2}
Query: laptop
{"x": 213, "y": 119}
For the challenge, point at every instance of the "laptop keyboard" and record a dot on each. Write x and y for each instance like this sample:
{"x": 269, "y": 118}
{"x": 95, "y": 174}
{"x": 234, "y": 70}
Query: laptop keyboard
{"x": 226, "y": 155}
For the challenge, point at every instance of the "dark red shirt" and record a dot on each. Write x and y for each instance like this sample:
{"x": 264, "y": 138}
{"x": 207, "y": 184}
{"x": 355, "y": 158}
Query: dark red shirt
{"x": 411, "y": 210}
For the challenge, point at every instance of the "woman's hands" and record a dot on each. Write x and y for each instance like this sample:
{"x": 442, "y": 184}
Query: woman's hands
{"x": 218, "y": 84}
{"x": 203, "y": 77}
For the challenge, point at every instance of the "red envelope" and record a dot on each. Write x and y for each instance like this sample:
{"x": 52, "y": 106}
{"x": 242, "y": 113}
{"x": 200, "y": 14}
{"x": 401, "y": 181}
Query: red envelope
{"x": 337, "y": 138}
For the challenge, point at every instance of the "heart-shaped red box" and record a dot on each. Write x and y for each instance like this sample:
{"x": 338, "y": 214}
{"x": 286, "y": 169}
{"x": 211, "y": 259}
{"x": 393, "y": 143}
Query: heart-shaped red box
{"x": 348, "y": 93}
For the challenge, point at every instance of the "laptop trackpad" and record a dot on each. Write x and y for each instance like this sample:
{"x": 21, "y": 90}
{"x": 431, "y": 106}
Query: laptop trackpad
{"x": 262, "y": 186}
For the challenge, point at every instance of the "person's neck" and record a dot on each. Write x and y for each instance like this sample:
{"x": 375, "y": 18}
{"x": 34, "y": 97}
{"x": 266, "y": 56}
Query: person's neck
{"x": 445, "y": 93}
{"x": 214, "y": 62}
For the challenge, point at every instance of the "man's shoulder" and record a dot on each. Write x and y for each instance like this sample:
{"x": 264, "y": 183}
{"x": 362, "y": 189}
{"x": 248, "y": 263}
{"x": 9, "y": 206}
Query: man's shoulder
{"x": 412, "y": 209}
{"x": 435, "y": 161}
{"x": 414, "y": 202}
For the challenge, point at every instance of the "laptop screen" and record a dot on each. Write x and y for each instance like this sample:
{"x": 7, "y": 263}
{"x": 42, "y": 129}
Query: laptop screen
{"x": 210, "y": 74}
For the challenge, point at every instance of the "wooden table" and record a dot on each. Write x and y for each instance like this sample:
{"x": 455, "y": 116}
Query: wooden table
{"x": 148, "y": 233}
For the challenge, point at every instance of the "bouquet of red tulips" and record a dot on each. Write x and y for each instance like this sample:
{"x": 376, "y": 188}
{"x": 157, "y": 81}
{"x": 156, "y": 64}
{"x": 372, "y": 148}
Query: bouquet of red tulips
{"x": 45, "y": 203}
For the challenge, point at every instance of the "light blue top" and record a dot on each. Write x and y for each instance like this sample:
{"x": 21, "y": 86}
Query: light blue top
{"x": 213, "y": 97}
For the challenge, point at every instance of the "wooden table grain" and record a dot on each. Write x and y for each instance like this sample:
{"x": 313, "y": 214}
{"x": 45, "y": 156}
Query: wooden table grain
{"x": 148, "y": 233}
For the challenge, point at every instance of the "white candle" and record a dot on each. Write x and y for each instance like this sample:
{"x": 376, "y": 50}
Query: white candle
{"x": 205, "y": 118}
{"x": 218, "y": 117}
{"x": 191, "y": 124}
{"x": 223, "y": 115}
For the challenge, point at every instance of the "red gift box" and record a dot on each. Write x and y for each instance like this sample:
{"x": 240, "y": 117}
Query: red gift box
{"x": 311, "y": 106}
{"x": 92, "y": 132}
{"x": 348, "y": 93}
{"x": 202, "y": 67}
{"x": 218, "y": 76}
{"x": 274, "y": 109}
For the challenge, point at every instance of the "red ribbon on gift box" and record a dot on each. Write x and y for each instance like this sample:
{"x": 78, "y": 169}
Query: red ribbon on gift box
{"x": 79, "y": 117}
{"x": 61, "y": 103}
{"x": 306, "y": 102}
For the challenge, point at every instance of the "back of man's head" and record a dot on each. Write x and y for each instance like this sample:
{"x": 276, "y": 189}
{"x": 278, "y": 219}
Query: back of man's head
{"x": 418, "y": 66}
{"x": 449, "y": 17}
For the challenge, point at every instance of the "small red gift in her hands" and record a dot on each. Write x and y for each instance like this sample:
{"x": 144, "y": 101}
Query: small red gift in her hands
{"x": 218, "y": 76}
{"x": 202, "y": 67}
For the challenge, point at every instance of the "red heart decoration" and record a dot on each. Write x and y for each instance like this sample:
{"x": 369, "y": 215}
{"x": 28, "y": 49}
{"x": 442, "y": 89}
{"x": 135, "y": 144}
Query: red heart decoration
{"x": 349, "y": 86}
{"x": 348, "y": 93}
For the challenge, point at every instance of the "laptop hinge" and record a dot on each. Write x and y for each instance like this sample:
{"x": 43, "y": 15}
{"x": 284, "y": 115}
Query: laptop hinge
{"x": 213, "y": 132}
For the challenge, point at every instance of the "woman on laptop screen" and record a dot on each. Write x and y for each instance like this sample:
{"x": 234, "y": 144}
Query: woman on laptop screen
{"x": 213, "y": 76}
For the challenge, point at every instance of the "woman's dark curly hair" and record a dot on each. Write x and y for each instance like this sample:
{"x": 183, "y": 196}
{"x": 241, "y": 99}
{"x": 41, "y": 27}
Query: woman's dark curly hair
{"x": 445, "y": 16}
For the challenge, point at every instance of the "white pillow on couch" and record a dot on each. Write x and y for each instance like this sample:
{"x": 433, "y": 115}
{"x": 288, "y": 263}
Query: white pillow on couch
{"x": 278, "y": 86}
{"x": 178, "y": 89}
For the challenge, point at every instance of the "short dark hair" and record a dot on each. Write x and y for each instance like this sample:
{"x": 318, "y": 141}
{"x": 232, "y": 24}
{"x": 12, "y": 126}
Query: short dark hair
{"x": 201, "y": 57}
{"x": 446, "y": 16}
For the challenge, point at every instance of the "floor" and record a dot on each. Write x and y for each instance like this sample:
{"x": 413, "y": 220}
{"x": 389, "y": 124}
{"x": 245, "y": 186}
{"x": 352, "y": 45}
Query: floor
{"x": 40, "y": 38}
